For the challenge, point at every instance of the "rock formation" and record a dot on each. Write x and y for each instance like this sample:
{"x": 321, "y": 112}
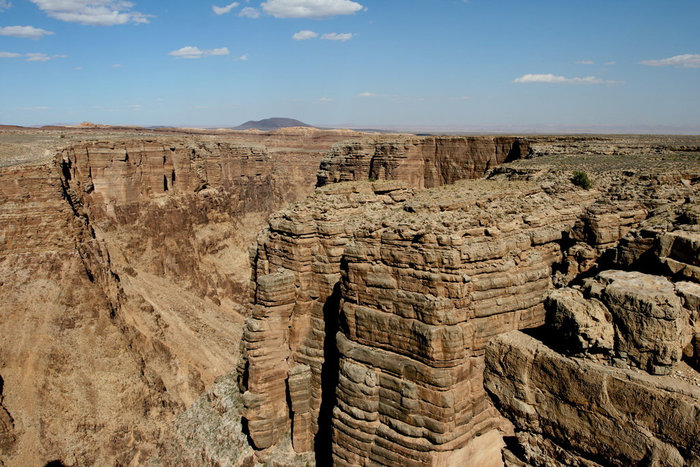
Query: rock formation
{"x": 420, "y": 283}
{"x": 375, "y": 310}
{"x": 123, "y": 280}
{"x": 409, "y": 286}
{"x": 612, "y": 379}
{"x": 422, "y": 162}
{"x": 602, "y": 405}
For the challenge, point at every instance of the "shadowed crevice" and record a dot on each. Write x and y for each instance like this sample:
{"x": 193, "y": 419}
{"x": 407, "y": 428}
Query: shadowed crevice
{"x": 329, "y": 379}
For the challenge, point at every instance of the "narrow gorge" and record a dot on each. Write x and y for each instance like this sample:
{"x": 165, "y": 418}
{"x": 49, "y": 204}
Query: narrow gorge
{"x": 441, "y": 301}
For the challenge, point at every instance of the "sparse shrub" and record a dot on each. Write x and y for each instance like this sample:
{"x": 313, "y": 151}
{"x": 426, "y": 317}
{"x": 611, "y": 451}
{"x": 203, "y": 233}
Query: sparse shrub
{"x": 62, "y": 136}
{"x": 581, "y": 179}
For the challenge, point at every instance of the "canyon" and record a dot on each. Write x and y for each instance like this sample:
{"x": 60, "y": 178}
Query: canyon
{"x": 323, "y": 297}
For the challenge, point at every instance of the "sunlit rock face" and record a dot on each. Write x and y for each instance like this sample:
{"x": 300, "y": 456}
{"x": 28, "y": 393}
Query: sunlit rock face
{"x": 421, "y": 162}
{"x": 123, "y": 281}
{"x": 378, "y": 299}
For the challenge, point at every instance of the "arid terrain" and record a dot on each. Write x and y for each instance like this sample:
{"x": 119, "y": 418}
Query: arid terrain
{"x": 305, "y": 296}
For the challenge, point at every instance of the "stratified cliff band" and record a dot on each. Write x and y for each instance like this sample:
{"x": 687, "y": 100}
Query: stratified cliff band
{"x": 435, "y": 301}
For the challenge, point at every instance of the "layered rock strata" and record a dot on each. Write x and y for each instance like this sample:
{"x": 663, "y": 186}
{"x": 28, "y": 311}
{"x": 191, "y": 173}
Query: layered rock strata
{"x": 422, "y": 162}
{"x": 614, "y": 377}
{"x": 123, "y": 267}
{"x": 416, "y": 284}
{"x": 570, "y": 411}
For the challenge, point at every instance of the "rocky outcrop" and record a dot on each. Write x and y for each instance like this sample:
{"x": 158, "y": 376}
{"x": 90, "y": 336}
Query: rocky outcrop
{"x": 408, "y": 288}
{"x": 422, "y": 162}
{"x": 124, "y": 275}
{"x": 7, "y": 425}
{"x": 613, "y": 377}
{"x": 571, "y": 411}
{"x": 123, "y": 267}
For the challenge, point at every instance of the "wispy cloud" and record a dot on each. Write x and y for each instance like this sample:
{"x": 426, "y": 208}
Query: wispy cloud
{"x": 39, "y": 57}
{"x": 304, "y": 35}
{"x": 335, "y": 36}
{"x": 549, "y": 78}
{"x": 366, "y": 94}
{"x": 4, "y": 5}
{"x": 325, "y": 99}
{"x": 331, "y": 36}
{"x": 32, "y": 57}
{"x": 310, "y": 8}
{"x": 196, "y": 52}
{"x": 36, "y": 108}
{"x": 585, "y": 62}
{"x": 250, "y": 12}
{"x": 222, "y": 10}
{"x": 678, "y": 61}
{"x": 92, "y": 12}
{"x": 610, "y": 63}
{"x": 243, "y": 57}
{"x": 25, "y": 32}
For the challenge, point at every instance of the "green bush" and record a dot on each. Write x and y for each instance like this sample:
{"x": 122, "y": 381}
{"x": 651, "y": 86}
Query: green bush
{"x": 581, "y": 179}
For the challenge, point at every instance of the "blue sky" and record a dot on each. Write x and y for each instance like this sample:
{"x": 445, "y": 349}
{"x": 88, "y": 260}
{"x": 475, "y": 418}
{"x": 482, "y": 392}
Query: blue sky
{"x": 614, "y": 65}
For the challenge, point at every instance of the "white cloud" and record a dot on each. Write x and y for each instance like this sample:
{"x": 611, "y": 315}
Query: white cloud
{"x": 310, "y": 8}
{"x": 25, "y": 32}
{"x": 39, "y": 57}
{"x": 366, "y": 94}
{"x": 36, "y": 108}
{"x": 117, "y": 65}
{"x": 249, "y": 12}
{"x": 31, "y": 57}
{"x": 304, "y": 35}
{"x": 679, "y": 61}
{"x": 585, "y": 62}
{"x": 222, "y": 10}
{"x": 4, "y": 5}
{"x": 92, "y": 12}
{"x": 243, "y": 57}
{"x": 325, "y": 99}
{"x": 334, "y": 36}
{"x": 610, "y": 63}
{"x": 554, "y": 79}
{"x": 196, "y": 52}
{"x": 219, "y": 51}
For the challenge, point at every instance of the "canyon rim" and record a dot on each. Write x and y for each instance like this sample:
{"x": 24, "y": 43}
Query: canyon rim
{"x": 329, "y": 297}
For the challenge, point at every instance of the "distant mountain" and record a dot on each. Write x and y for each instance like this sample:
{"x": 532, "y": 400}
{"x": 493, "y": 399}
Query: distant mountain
{"x": 270, "y": 124}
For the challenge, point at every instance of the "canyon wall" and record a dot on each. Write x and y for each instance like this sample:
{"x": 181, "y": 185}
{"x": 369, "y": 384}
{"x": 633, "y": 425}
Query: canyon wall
{"x": 373, "y": 302}
{"x": 422, "y": 162}
{"x": 414, "y": 285}
{"x": 613, "y": 379}
{"x": 123, "y": 282}
{"x": 372, "y": 305}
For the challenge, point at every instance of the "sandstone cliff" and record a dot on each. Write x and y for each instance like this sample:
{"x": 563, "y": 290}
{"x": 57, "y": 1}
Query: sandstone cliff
{"x": 373, "y": 302}
{"x": 123, "y": 279}
{"x": 422, "y": 162}
{"x": 125, "y": 284}
{"x": 613, "y": 378}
